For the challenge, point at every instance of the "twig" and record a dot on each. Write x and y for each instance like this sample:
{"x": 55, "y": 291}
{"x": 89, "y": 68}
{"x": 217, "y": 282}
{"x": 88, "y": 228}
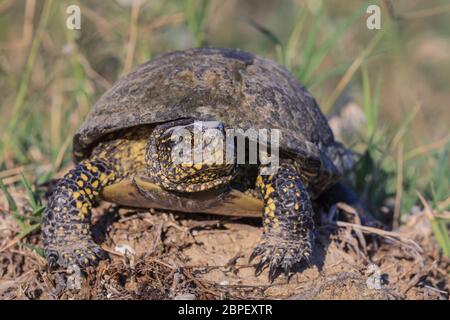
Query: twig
{"x": 383, "y": 233}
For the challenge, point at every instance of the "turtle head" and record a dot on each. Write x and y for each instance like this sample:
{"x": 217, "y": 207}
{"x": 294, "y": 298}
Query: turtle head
{"x": 193, "y": 156}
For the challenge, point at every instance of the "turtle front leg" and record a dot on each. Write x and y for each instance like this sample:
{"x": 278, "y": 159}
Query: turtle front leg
{"x": 66, "y": 223}
{"x": 287, "y": 220}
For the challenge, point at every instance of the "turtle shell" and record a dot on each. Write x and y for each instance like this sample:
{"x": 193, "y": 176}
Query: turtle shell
{"x": 240, "y": 89}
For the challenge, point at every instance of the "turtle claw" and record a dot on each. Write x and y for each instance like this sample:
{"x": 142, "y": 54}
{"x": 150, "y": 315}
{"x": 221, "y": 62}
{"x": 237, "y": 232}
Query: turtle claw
{"x": 259, "y": 268}
{"x": 274, "y": 270}
{"x": 52, "y": 259}
{"x": 83, "y": 255}
{"x": 256, "y": 252}
{"x": 279, "y": 257}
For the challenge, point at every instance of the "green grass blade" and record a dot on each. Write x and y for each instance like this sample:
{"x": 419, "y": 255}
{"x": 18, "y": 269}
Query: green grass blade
{"x": 367, "y": 99}
{"x": 314, "y": 60}
{"x": 34, "y": 200}
{"x": 33, "y": 218}
{"x": 12, "y": 206}
{"x": 26, "y": 75}
{"x": 281, "y": 53}
{"x": 333, "y": 72}
{"x": 440, "y": 231}
{"x": 28, "y": 230}
{"x": 196, "y": 16}
{"x": 38, "y": 250}
{"x": 310, "y": 45}
{"x": 294, "y": 38}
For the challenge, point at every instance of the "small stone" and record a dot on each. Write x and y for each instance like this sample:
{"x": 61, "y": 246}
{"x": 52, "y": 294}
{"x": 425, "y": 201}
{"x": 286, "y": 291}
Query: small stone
{"x": 185, "y": 296}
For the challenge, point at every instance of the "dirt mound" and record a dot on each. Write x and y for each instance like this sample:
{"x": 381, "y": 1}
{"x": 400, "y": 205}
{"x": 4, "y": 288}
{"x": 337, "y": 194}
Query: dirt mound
{"x": 179, "y": 256}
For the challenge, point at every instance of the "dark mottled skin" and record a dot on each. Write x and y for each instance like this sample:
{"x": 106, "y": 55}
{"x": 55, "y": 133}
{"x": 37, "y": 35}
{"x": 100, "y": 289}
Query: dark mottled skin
{"x": 66, "y": 224}
{"x": 287, "y": 220}
{"x": 124, "y": 136}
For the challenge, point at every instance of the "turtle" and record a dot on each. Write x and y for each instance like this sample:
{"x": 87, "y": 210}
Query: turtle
{"x": 124, "y": 153}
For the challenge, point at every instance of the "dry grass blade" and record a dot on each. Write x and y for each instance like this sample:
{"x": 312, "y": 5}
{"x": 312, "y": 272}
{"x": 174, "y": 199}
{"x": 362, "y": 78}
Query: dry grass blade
{"x": 427, "y": 209}
{"x": 444, "y": 204}
{"x": 19, "y": 238}
{"x": 345, "y": 80}
{"x": 167, "y": 20}
{"x": 425, "y": 149}
{"x": 131, "y": 46}
{"x": 350, "y": 209}
{"x": 429, "y": 12}
{"x": 27, "y": 31}
{"x": 92, "y": 74}
{"x": 382, "y": 233}
{"x": 404, "y": 126}
{"x": 5, "y": 5}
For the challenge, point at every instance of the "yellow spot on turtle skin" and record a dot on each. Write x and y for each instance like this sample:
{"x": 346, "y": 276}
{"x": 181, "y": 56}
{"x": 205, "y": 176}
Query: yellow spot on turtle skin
{"x": 275, "y": 222}
{"x": 272, "y": 206}
{"x": 198, "y": 166}
{"x": 267, "y": 221}
{"x": 79, "y": 204}
{"x": 103, "y": 177}
{"x": 269, "y": 212}
{"x": 70, "y": 175}
{"x": 88, "y": 191}
{"x": 86, "y": 261}
{"x": 296, "y": 207}
{"x": 84, "y": 210}
{"x": 269, "y": 189}
{"x": 259, "y": 181}
{"x": 186, "y": 164}
{"x": 80, "y": 183}
{"x": 95, "y": 184}
{"x": 76, "y": 195}
{"x": 84, "y": 177}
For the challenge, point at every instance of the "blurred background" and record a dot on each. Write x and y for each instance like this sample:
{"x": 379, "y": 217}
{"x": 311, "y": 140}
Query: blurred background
{"x": 386, "y": 92}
